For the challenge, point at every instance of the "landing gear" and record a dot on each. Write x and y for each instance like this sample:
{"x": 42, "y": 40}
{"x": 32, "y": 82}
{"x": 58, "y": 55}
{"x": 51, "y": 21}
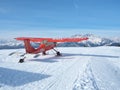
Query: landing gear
{"x": 22, "y": 60}
{"x": 43, "y": 53}
{"x": 57, "y": 53}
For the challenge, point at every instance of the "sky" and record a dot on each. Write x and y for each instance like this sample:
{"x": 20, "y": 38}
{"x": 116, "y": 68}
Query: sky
{"x": 59, "y": 18}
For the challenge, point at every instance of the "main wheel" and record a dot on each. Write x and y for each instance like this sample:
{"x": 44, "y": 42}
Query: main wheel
{"x": 58, "y": 54}
{"x": 44, "y": 53}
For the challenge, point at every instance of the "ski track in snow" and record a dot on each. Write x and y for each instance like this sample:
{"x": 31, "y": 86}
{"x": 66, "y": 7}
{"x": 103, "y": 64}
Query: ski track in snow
{"x": 87, "y": 81}
{"x": 80, "y": 68}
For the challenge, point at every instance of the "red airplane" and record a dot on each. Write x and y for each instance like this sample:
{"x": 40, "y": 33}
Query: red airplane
{"x": 45, "y": 44}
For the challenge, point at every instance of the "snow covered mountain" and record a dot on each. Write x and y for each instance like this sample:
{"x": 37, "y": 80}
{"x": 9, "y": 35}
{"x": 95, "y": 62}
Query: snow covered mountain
{"x": 10, "y": 44}
{"x": 92, "y": 42}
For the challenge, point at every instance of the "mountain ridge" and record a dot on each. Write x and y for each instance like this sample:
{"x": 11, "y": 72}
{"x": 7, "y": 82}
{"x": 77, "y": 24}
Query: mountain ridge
{"x": 93, "y": 41}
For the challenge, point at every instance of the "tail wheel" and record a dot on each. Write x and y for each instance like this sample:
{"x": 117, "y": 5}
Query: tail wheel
{"x": 21, "y": 60}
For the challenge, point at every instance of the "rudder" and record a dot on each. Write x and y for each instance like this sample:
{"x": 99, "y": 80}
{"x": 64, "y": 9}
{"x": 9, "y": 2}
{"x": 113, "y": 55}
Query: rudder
{"x": 28, "y": 47}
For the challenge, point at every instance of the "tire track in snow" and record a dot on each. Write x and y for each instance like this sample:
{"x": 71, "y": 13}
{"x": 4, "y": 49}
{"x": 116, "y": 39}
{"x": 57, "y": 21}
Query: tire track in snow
{"x": 61, "y": 78}
{"x": 87, "y": 81}
{"x": 53, "y": 82}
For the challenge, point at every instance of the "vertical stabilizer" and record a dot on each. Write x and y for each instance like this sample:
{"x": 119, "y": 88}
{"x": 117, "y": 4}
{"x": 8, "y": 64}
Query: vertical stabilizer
{"x": 28, "y": 47}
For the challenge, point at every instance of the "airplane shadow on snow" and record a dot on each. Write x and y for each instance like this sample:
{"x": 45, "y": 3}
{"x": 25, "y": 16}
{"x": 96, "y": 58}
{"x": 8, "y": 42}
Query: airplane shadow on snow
{"x": 14, "y": 78}
{"x": 93, "y": 55}
{"x": 52, "y": 59}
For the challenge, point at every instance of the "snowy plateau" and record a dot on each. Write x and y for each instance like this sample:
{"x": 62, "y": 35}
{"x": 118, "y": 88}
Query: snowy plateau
{"x": 79, "y": 68}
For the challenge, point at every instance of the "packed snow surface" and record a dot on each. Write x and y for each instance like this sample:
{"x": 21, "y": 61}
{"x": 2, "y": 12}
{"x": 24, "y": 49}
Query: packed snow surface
{"x": 79, "y": 68}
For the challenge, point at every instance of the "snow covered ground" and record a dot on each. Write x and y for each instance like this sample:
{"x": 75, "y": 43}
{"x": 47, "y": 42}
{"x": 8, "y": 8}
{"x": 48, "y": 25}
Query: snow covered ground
{"x": 79, "y": 68}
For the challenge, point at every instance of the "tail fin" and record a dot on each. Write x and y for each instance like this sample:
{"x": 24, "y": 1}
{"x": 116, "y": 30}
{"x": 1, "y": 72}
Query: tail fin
{"x": 28, "y": 47}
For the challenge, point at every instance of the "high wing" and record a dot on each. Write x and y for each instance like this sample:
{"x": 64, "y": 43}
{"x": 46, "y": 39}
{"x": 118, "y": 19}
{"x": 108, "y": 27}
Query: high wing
{"x": 51, "y": 39}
